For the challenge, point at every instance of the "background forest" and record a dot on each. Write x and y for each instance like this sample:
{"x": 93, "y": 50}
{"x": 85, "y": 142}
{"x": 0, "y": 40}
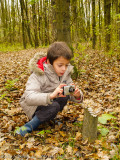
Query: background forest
{"x": 92, "y": 30}
{"x": 40, "y": 22}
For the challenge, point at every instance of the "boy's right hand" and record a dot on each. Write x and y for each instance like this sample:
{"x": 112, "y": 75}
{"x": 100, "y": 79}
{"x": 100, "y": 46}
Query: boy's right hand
{"x": 58, "y": 92}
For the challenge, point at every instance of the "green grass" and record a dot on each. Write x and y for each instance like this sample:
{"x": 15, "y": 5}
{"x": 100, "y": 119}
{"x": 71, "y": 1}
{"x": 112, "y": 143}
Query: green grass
{"x": 5, "y": 47}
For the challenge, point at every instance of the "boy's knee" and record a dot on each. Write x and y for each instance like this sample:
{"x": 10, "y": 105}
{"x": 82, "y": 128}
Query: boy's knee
{"x": 56, "y": 106}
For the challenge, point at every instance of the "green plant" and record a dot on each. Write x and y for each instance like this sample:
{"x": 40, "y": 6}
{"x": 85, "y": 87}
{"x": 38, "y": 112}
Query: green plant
{"x": 79, "y": 56}
{"x": 43, "y": 132}
{"x": 10, "y": 84}
{"x": 3, "y": 95}
{"x": 79, "y": 124}
{"x": 71, "y": 141}
{"x": 103, "y": 120}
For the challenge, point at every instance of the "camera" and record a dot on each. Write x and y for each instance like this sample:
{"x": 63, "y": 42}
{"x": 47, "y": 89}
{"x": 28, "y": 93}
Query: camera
{"x": 67, "y": 90}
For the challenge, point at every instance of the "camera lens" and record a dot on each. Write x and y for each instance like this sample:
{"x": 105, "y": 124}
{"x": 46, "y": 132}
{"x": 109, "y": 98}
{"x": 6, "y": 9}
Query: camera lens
{"x": 71, "y": 89}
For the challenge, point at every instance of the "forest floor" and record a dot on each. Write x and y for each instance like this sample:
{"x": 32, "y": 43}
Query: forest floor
{"x": 99, "y": 80}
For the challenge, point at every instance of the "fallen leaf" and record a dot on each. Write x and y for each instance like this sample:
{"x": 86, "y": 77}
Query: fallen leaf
{"x": 78, "y": 135}
{"x": 69, "y": 150}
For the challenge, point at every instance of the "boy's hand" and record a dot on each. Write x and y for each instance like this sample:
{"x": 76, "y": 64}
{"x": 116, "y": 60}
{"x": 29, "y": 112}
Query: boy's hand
{"x": 76, "y": 93}
{"x": 58, "y": 92}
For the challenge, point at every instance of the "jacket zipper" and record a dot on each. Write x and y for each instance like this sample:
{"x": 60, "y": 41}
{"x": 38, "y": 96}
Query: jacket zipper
{"x": 59, "y": 78}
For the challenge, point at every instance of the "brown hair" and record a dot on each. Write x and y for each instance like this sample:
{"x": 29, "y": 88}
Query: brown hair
{"x": 58, "y": 49}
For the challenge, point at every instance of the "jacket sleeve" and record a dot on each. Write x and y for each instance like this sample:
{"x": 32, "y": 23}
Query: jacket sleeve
{"x": 33, "y": 95}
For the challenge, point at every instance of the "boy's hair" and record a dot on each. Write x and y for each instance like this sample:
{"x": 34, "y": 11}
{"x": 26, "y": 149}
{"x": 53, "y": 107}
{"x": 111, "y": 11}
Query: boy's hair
{"x": 58, "y": 49}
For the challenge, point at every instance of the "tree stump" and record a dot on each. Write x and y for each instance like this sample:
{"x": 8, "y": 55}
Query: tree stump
{"x": 91, "y": 112}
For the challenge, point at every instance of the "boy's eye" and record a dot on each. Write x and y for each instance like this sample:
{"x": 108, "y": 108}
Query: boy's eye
{"x": 63, "y": 65}
{"x": 59, "y": 65}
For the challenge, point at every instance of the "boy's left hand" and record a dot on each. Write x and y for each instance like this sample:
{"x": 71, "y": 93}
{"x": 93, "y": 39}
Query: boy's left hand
{"x": 76, "y": 93}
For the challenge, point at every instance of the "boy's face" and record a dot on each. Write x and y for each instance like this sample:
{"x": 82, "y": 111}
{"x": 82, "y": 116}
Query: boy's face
{"x": 60, "y": 65}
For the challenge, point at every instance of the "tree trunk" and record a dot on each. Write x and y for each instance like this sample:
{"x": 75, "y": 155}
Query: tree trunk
{"x": 3, "y": 18}
{"x": 54, "y": 23}
{"x": 9, "y": 24}
{"x": 89, "y": 126}
{"x": 99, "y": 24}
{"x": 42, "y": 21}
{"x": 107, "y": 22}
{"x": 6, "y": 17}
{"x": 35, "y": 24}
{"x": 28, "y": 23}
{"x": 46, "y": 23}
{"x": 63, "y": 21}
{"x": 83, "y": 32}
{"x": 88, "y": 18}
{"x": 18, "y": 23}
{"x": 39, "y": 21}
{"x": 74, "y": 18}
{"x": 13, "y": 20}
{"x": 93, "y": 25}
{"x": 23, "y": 23}
{"x": 119, "y": 23}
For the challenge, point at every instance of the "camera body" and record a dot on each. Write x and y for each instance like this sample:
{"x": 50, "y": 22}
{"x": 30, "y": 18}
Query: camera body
{"x": 67, "y": 90}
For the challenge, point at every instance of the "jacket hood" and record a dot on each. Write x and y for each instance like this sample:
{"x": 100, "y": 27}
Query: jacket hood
{"x": 36, "y": 63}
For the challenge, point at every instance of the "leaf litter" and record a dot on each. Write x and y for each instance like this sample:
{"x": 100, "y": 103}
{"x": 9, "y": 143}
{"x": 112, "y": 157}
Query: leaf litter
{"x": 62, "y": 138}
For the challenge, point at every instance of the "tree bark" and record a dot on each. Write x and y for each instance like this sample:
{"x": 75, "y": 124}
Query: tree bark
{"x": 46, "y": 23}
{"x": 13, "y": 20}
{"x": 54, "y": 22}
{"x": 119, "y": 23}
{"x": 63, "y": 21}
{"x": 28, "y": 23}
{"x": 3, "y": 18}
{"x": 89, "y": 126}
{"x": 93, "y": 25}
{"x": 23, "y": 23}
{"x": 107, "y": 22}
{"x": 39, "y": 21}
{"x": 35, "y": 25}
{"x": 88, "y": 18}
{"x": 74, "y": 19}
{"x": 99, "y": 24}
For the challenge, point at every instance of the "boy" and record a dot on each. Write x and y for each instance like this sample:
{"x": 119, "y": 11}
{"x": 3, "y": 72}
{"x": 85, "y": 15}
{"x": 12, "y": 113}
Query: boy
{"x": 43, "y": 97}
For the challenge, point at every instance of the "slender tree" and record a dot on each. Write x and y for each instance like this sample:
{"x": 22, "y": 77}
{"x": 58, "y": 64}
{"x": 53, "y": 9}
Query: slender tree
{"x": 35, "y": 24}
{"x": 39, "y": 20}
{"x": 27, "y": 22}
{"x": 3, "y": 18}
{"x": 82, "y": 23}
{"x": 54, "y": 20}
{"x": 13, "y": 19}
{"x": 93, "y": 25}
{"x": 107, "y": 22}
{"x": 74, "y": 18}
{"x": 88, "y": 17}
{"x": 23, "y": 23}
{"x": 99, "y": 24}
{"x": 46, "y": 20}
{"x": 118, "y": 22}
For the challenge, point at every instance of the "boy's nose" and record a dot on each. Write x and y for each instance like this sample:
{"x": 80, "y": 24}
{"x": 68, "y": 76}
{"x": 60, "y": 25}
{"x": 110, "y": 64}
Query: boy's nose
{"x": 63, "y": 68}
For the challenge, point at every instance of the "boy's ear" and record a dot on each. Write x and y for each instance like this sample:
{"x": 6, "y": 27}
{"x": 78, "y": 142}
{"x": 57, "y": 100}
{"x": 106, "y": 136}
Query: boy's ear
{"x": 48, "y": 62}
